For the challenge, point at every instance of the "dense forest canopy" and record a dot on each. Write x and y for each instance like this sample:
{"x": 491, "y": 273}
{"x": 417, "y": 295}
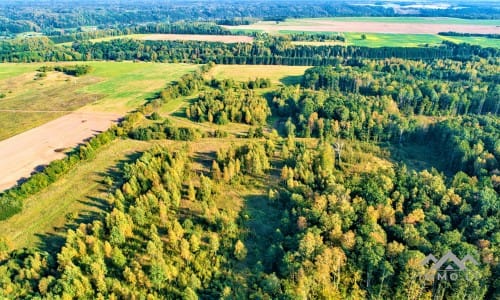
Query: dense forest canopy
{"x": 43, "y": 16}
{"x": 335, "y": 186}
{"x": 336, "y": 233}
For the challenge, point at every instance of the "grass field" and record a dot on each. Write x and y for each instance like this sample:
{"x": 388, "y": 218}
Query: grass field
{"x": 399, "y": 40}
{"x": 111, "y": 87}
{"x": 126, "y": 85}
{"x": 79, "y": 191}
{"x": 277, "y": 74}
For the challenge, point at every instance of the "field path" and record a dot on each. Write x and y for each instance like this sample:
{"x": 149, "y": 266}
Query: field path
{"x": 20, "y": 155}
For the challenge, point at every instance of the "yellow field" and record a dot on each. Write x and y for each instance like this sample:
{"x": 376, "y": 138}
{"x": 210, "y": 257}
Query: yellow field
{"x": 277, "y": 74}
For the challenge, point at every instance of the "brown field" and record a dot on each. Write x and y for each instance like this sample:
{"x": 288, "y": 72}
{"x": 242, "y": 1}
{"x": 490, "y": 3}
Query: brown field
{"x": 198, "y": 37}
{"x": 366, "y": 26}
{"x": 22, "y": 154}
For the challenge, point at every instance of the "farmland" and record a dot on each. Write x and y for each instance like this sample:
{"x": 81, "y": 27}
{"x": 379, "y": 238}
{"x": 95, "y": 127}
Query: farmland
{"x": 41, "y": 145}
{"x": 398, "y": 40}
{"x": 180, "y": 37}
{"x": 277, "y": 74}
{"x": 178, "y": 161}
{"x": 111, "y": 87}
{"x": 384, "y": 31}
{"x": 374, "y": 25}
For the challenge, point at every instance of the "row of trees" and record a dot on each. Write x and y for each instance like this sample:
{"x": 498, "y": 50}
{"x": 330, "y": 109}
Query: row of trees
{"x": 166, "y": 28}
{"x": 11, "y": 201}
{"x": 265, "y": 50}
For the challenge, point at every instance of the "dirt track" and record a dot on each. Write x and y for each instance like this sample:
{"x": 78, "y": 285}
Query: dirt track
{"x": 21, "y": 154}
{"x": 372, "y": 27}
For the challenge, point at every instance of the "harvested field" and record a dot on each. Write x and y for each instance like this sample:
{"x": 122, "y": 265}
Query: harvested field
{"x": 22, "y": 154}
{"x": 331, "y": 25}
{"x": 198, "y": 37}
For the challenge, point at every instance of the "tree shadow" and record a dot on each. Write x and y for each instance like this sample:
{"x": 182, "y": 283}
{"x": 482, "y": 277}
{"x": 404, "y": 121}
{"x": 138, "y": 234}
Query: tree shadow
{"x": 417, "y": 157}
{"x": 205, "y": 158}
{"x": 291, "y": 79}
{"x": 51, "y": 242}
{"x": 97, "y": 208}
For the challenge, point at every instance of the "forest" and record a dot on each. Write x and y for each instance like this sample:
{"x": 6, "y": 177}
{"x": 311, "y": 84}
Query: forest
{"x": 336, "y": 231}
{"x": 338, "y": 182}
{"x": 265, "y": 50}
{"x": 45, "y": 16}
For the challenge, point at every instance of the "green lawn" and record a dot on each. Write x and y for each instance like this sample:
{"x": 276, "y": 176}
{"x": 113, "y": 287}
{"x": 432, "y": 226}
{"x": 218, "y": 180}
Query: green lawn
{"x": 80, "y": 192}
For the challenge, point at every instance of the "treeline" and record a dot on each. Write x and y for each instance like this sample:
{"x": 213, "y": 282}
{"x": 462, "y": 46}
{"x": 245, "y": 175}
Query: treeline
{"x": 37, "y": 49}
{"x": 258, "y": 53}
{"x": 468, "y": 34}
{"x": 274, "y": 51}
{"x": 238, "y": 21}
{"x": 165, "y": 130}
{"x": 11, "y": 201}
{"x": 165, "y": 28}
{"x": 315, "y": 37}
{"x": 439, "y": 87}
{"x": 75, "y": 70}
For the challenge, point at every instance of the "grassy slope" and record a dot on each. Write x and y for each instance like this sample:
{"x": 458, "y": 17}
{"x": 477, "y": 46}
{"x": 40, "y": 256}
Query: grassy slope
{"x": 110, "y": 87}
{"x": 78, "y": 191}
